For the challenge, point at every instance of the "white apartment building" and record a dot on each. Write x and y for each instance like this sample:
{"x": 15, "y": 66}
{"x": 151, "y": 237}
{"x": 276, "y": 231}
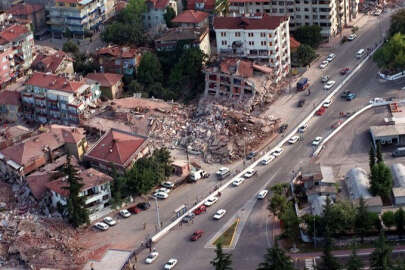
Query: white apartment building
{"x": 330, "y": 15}
{"x": 259, "y": 37}
{"x": 153, "y": 18}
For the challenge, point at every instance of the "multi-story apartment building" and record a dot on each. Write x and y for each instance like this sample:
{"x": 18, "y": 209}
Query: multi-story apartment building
{"x": 153, "y": 18}
{"x": 259, "y": 37}
{"x": 330, "y": 15}
{"x": 50, "y": 98}
{"x": 76, "y": 16}
{"x": 33, "y": 12}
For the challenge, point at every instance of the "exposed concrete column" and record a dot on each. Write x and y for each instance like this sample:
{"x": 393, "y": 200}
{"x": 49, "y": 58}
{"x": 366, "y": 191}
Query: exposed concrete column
{"x": 231, "y": 87}
{"x": 218, "y": 84}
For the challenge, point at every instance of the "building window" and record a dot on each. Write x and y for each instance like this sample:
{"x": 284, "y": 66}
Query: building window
{"x": 269, "y": 35}
{"x": 237, "y": 34}
{"x": 250, "y": 34}
{"x": 271, "y": 52}
{"x": 73, "y": 5}
{"x": 263, "y": 43}
{"x": 270, "y": 43}
{"x": 223, "y": 34}
{"x": 251, "y": 43}
{"x": 224, "y": 42}
{"x": 262, "y": 34}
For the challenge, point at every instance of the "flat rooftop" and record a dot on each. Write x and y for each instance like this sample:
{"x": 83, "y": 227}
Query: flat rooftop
{"x": 387, "y": 130}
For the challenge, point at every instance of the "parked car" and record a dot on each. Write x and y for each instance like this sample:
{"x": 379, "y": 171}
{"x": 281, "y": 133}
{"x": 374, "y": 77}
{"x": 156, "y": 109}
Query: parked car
{"x": 196, "y": 235}
{"x": 262, "y": 194}
{"x": 317, "y": 141}
{"x": 324, "y": 64}
{"x": 329, "y": 85}
{"x": 200, "y": 209}
{"x": 282, "y": 128}
{"x": 219, "y": 214}
{"x": 168, "y": 184}
{"x": 267, "y": 159}
{"x": 188, "y": 218}
{"x": 350, "y": 97}
{"x": 101, "y": 226}
{"x": 124, "y": 213}
{"x": 197, "y": 175}
{"x": 151, "y": 257}
{"x": 143, "y": 205}
{"x": 277, "y": 152}
{"x": 249, "y": 173}
{"x": 344, "y": 94}
{"x": 324, "y": 78}
{"x": 293, "y": 139}
{"x": 109, "y": 221}
{"x": 161, "y": 195}
{"x": 301, "y": 103}
{"x": 210, "y": 201}
{"x": 331, "y": 57}
{"x": 320, "y": 111}
{"x": 134, "y": 210}
{"x": 302, "y": 128}
{"x": 251, "y": 155}
{"x": 344, "y": 71}
{"x": 223, "y": 172}
{"x": 162, "y": 189}
{"x": 302, "y": 84}
{"x": 171, "y": 264}
{"x": 327, "y": 103}
{"x": 352, "y": 37}
{"x": 238, "y": 181}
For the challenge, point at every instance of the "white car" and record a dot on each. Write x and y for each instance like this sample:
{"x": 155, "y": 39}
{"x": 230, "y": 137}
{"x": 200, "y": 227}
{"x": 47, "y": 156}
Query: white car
{"x": 168, "y": 184}
{"x": 210, "y": 201}
{"x": 351, "y": 37}
{"x": 377, "y": 100}
{"x": 327, "y": 103}
{"x": 331, "y": 57}
{"x": 293, "y": 139}
{"x": 329, "y": 85}
{"x": 151, "y": 257}
{"x": 160, "y": 195}
{"x": 324, "y": 64}
{"x": 109, "y": 221}
{"x": 124, "y": 213}
{"x": 101, "y": 226}
{"x": 222, "y": 171}
{"x": 302, "y": 128}
{"x": 277, "y": 152}
{"x": 262, "y": 194}
{"x": 324, "y": 78}
{"x": 238, "y": 181}
{"x": 219, "y": 214}
{"x": 249, "y": 173}
{"x": 267, "y": 159}
{"x": 316, "y": 141}
{"x": 164, "y": 190}
{"x": 171, "y": 263}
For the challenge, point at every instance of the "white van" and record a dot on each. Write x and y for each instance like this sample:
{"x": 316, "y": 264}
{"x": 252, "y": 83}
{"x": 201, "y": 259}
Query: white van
{"x": 360, "y": 53}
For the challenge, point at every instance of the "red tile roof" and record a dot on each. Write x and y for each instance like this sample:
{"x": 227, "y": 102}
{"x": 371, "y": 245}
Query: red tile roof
{"x": 37, "y": 183}
{"x": 117, "y": 51}
{"x": 68, "y": 1}
{"x": 294, "y": 44}
{"x": 49, "y": 63}
{"x": 208, "y": 4}
{"x": 263, "y": 22}
{"x": 191, "y": 16}
{"x": 25, "y": 9}
{"x": 105, "y": 79}
{"x": 10, "y": 98}
{"x": 12, "y": 33}
{"x": 238, "y": 67}
{"x": 159, "y": 4}
{"x": 117, "y": 147}
{"x": 91, "y": 178}
{"x": 54, "y": 82}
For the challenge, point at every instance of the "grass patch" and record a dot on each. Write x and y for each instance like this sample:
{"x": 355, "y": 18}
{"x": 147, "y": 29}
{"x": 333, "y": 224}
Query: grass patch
{"x": 226, "y": 238}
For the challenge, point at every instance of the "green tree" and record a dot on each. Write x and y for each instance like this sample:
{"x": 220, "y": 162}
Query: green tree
{"x": 278, "y": 204}
{"x": 222, "y": 261}
{"x": 391, "y": 56}
{"x": 304, "y": 55}
{"x": 362, "y": 221}
{"x": 291, "y": 224}
{"x": 379, "y": 154}
{"x": 149, "y": 70}
{"x": 397, "y": 22}
{"x": 399, "y": 217}
{"x": 381, "y": 259}
{"x": 116, "y": 189}
{"x": 135, "y": 87}
{"x": 84, "y": 64}
{"x": 388, "y": 219}
{"x": 77, "y": 213}
{"x": 341, "y": 217}
{"x": 276, "y": 259}
{"x": 328, "y": 261}
{"x": 354, "y": 262}
{"x": 169, "y": 16}
{"x": 371, "y": 157}
{"x": 222, "y": 7}
{"x": 309, "y": 35}
{"x": 70, "y": 47}
{"x": 280, "y": 188}
{"x": 381, "y": 180}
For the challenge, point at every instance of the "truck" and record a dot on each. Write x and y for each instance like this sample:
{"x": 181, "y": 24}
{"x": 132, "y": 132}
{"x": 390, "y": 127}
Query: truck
{"x": 302, "y": 84}
{"x": 197, "y": 175}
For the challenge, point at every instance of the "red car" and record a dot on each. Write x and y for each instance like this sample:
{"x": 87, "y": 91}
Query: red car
{"x": 200, "y": 209}
{"x": 134, "y": 210}
{"x": 196, "y": 235}
{"x": 344, "y": 71}
{"x": 320, "y": 111}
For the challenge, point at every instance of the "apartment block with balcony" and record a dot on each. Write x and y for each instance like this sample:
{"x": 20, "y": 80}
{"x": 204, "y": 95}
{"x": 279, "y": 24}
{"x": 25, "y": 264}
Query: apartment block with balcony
{"x": 260, "y": 37}
{"x": 96, "y": 190}
{"x": 50, "y": 98}
{"x": 330, "y": 15}
{"x": 76, "y": 17}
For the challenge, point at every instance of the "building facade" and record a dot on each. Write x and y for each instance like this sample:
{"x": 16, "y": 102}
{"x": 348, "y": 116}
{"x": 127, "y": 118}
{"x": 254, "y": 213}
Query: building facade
{"x": 111, "y": 85}
{"x": 192, "y": 19}
{"x": 50, "y": 98}
{"x": 117, "y": 59}
{"x": 258, "y": 37}
{"x": 153, "y": 18}
{"x": 330, "y": 15}
{"x": 32, "y": 12}
{"x": 10, "y": 106}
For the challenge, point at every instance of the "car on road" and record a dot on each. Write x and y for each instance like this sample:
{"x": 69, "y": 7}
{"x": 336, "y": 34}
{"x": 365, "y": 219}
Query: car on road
{"x": 329, "y": 85}
{"x": 277, "y": 152}
{"x": 143, "y": 206}
{"x": 223, "y": 172}
{"x": 377, "y": 100}
{"x": 188, "y": 218}
{"x": 238, "y": 181}
{"x": 200, "y": 209}
{"x": 262, "y": 194}
{"x": 109, "y": 221}
{"x": 324, "y": 78}
{"x": 293, "y": 139}
{"x": 162, "y": 189}
{"x": 219, "y": 214}
{"x": 267, "y": 159}
{"x": 344, "y": 71}
{"x": 249, "y": 173}
{"x": 324, "y": 64}
{"x": 134, "y": 210}
{"x": 327, "y": 103}
{"x": 350, "y": 97}
{"x": 352, "y": 37}
{"x": 151, "y": 257}
{"x": 125, "y": 213}
{"x": 168, "y": 184}
{"x": 101, "y": 226}
{"x": 302, "y": 128}
{"x": 301, "y": 103}
{"x": 210, "y": 201}
{"x": 160, "y": 195}
{"x": 171, "y": 264}
{"x": 320, "y": 111}
{"x": 196, "y": 235}
{"x": 317, "y": 141}
{"x": 344, "y": 94}
{"x": 331, "y": 57}
{"x": 282, "y": 128}
{"x": 251, "y": 155}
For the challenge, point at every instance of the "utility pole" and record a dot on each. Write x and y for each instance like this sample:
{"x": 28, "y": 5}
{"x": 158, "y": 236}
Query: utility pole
{"x": 314, "y": 234}
{"x": 188, "y": 159}
{"x": 157, "y": 214}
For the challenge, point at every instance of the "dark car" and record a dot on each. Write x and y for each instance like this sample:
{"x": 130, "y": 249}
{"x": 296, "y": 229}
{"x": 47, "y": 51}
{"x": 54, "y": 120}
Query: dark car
{"x": 143, "y": 206}
{"x": 345, "y": 94}
{"x": 134, "y": 210}
{"x": 301, "y": 103}
{"x": 196, "y": 235}
{"x": 344, "y": 71}
{"x": 200, "y": 209}
{"x": 251, "y": 155}
{"x": 188, "y": 218}
{"x": 282, "y": 128}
